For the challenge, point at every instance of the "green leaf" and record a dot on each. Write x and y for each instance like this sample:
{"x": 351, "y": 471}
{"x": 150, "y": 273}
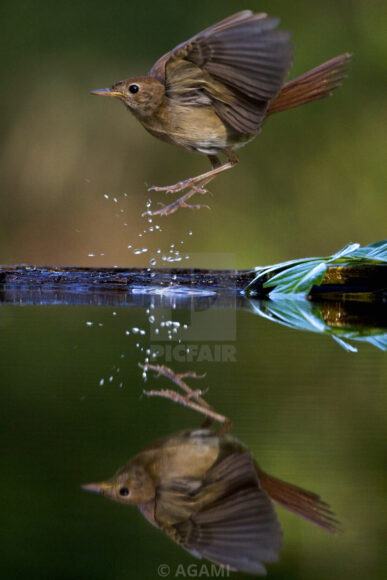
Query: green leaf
{"x": 299, "y": 276}
{"x": 375, "y": 252}
{"x": 346, "y": 251}
{"x": 299, "y": 279}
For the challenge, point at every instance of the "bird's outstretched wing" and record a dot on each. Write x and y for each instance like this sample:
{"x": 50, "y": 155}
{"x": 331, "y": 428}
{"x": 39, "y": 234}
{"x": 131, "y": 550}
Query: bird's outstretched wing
{"x": 238, "y": 65}
{"x": 229, "y": 519}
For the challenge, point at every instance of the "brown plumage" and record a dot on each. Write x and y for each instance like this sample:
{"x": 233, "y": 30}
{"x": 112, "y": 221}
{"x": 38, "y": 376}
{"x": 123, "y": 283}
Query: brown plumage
{"x": 318, "y": 83}
{"x": 205, "y": 491}
{"x": 212, "y": 93}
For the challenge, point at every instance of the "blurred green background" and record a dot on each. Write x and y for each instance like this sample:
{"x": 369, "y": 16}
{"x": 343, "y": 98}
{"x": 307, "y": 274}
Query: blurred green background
{"x": 313, "y": 180}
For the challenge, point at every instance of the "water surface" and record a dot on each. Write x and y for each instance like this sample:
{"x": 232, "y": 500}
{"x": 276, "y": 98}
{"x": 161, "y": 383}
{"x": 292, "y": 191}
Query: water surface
{"x": 72, "y": 411}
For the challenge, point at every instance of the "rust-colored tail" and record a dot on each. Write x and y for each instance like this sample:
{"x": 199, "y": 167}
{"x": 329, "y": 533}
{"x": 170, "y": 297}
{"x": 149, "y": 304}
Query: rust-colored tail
{"x": 303, "y": 503}
{"x": 315, "y": 84}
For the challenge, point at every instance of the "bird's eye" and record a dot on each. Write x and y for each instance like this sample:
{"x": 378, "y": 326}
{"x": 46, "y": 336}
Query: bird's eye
{"x": 134, "y": 89}
{"x": 123, "y": 491}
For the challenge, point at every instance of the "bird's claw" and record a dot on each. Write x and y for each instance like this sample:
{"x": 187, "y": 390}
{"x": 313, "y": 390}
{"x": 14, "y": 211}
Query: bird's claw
{"x": 194, "y": 394}
{"x": 192, "y": 398}
{"x": 194, "y": 206}
{"x": 179, "y": 186}
{"x": 170, "y": 209}
{"x": 190, "y": 375}
{"x": 200, "y": 189}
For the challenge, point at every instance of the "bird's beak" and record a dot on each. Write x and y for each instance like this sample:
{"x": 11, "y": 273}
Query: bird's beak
{"x": 100, "y": 487}
{"x": 106, "y": 93}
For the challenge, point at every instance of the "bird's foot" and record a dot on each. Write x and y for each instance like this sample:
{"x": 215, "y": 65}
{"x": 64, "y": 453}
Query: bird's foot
{"x": 181, "y": 202}
{"x": 193, "y": 398}
{"x": 179, "y": 186}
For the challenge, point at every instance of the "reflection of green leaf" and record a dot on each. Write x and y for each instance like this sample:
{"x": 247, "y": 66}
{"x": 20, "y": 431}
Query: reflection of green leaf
{"x": 292, "y": 313}
{"x": 345, "y": 345}
{"x": 301, "y": 314}
{"x": 379, "y": 341}
{"x": 299, "y": 276}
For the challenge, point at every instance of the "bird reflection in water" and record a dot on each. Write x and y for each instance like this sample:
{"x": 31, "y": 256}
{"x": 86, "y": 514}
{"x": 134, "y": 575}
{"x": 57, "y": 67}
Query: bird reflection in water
{"x": 203, "y": 488}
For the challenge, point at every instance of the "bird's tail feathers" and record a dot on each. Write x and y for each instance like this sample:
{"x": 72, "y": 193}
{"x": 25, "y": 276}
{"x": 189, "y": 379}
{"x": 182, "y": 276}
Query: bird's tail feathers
{"x": 315, "y": 84}
{"x": 299, "y": 501}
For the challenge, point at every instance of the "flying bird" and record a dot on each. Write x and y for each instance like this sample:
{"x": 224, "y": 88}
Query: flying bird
{"x": 205, "y": 491}
{"x": 212, "y": 93}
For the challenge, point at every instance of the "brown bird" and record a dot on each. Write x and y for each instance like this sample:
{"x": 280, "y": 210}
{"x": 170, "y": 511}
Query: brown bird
{"x": 205, "y": 491}
{"x": 212, "y": 93}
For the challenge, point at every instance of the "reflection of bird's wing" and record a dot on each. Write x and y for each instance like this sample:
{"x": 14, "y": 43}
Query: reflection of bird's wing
{"x": 227, "y": 519}
{"x": 238, "y": 65}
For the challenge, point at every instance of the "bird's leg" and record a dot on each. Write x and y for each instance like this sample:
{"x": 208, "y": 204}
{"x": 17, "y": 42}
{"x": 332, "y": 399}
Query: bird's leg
{"x": 171, "y": 208}
{"x": 196, "y": 184}
{"x": 217, "y": 167}
{"x": 192, "y": 399}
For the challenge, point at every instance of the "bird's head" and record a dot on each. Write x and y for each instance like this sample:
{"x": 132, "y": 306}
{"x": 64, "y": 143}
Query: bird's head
{"x": 142, "y": 95}
{"x": 130, "y": 485}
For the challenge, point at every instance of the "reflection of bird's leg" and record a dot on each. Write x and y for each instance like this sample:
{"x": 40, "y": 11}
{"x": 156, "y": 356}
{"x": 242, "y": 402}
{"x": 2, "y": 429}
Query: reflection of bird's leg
{"x": 194, "y": 185}
{"x": 192, "y": 399}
